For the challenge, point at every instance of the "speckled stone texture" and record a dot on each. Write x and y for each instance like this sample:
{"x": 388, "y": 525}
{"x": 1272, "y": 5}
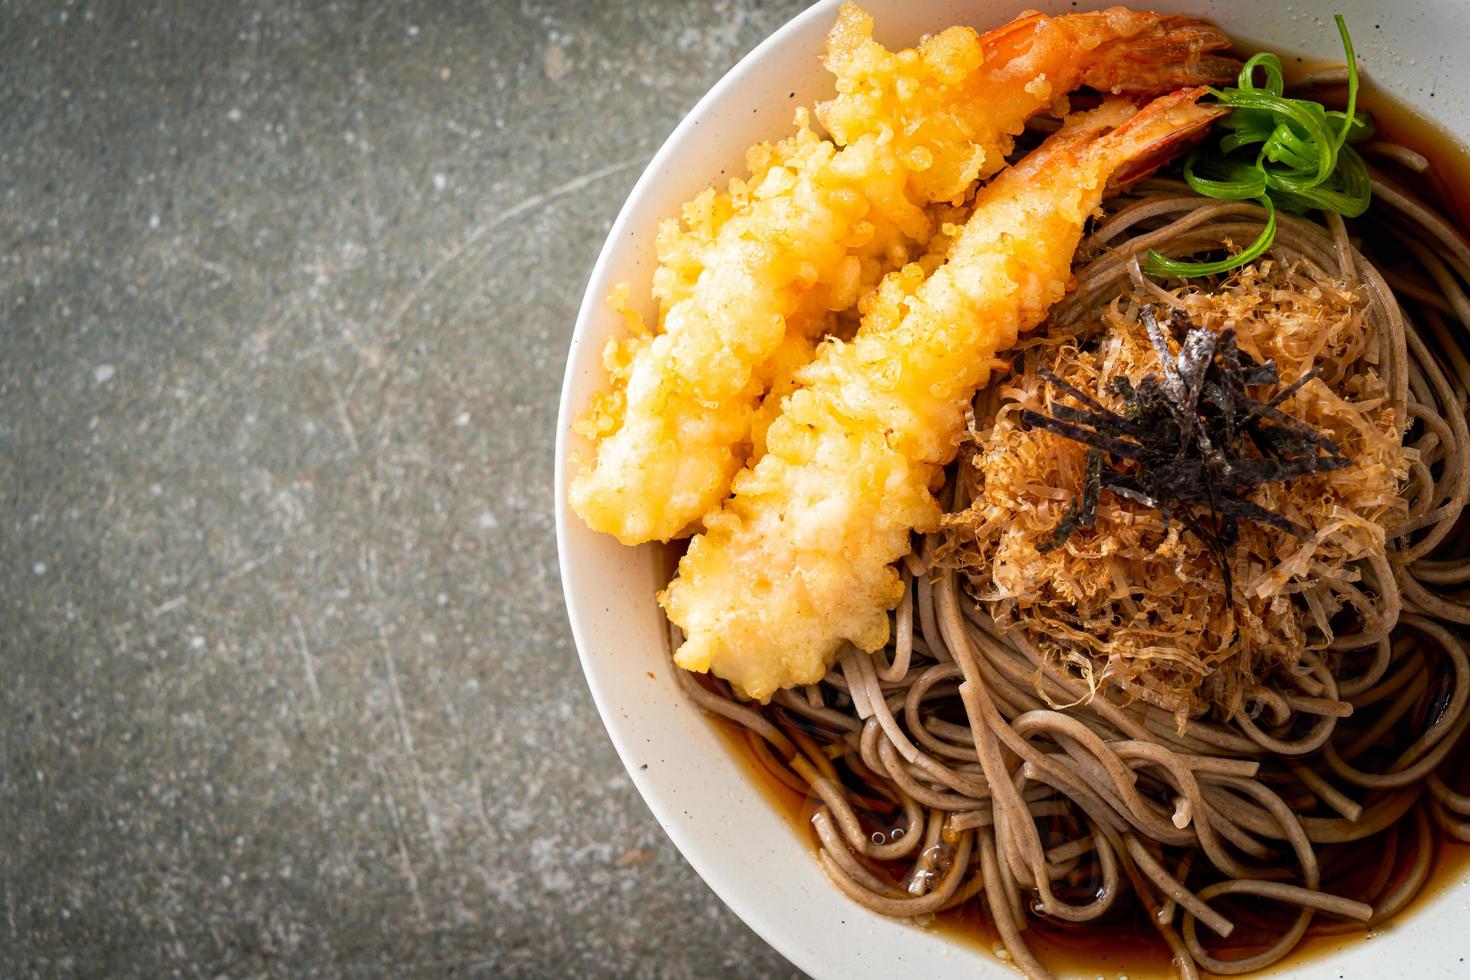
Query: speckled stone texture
{"x": 286, "y": 684}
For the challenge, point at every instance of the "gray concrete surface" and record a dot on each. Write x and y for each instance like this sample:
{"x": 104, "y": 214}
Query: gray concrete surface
{"x": 286, "y": 686}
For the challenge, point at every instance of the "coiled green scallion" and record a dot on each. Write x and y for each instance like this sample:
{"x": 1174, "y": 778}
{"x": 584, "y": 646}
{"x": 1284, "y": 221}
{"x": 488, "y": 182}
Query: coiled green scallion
{"x": 1291, "y": 154}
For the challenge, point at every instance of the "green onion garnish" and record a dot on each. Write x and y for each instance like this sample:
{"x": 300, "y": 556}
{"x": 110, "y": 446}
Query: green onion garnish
{"x": 1291, "y": 154}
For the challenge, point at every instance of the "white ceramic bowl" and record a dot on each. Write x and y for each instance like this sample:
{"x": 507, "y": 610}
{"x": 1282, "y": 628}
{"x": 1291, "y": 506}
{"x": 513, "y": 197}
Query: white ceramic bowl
{"x": 724, "y": 826}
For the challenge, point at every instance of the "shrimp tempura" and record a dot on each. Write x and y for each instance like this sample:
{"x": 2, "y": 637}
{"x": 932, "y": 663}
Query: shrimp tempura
{"x": 797, "y": 562}
{"x": 751, "y": 279}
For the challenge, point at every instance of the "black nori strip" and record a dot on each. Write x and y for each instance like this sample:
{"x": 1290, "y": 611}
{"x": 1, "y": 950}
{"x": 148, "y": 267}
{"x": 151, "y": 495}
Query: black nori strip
{"x": 1076, "y": 433}
{"x": 1166, "y": 360}
{"x": 1184, "y": 436}
{"x": 1292, "y": 388}
{"x": 1196, "y": 355}
{"x": 1068, "y": 388}
{"x": 1083, "y": 511}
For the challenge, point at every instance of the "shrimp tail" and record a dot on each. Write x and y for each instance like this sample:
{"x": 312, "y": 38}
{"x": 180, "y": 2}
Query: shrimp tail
{"x": 1170, "y": 52}
{"x": 1125, "y": 142}
{"x": 1118, "y": 51}
{"x": 1160, "y": 132}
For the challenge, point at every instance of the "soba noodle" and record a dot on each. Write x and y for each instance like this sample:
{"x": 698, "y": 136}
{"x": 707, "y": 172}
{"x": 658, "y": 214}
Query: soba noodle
{"x": 943, "y": 757}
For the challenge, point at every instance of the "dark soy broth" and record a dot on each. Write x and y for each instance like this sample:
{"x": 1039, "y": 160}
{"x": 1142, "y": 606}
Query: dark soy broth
{"x": 1447, "y": 183}
{"x": 1125, "y": 944}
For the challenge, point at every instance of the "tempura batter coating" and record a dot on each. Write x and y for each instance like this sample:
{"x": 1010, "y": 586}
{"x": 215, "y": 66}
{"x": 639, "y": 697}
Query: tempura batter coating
{"x": 818, "y": 222}
{"x": 798, "y": 561}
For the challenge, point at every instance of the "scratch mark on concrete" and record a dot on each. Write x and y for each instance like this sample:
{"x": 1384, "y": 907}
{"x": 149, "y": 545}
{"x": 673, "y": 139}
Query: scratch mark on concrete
{"x": 480, "y": 810}
{"x": 311, "y": 685}
{"x": 408, "y": 872}
{"x": 245, "y": 568}
{"x": 167, "y": 607}
{"x": 405, "y": 734}
{"x": 369, "y": 562}
{"x": 526, "y": 206}
{"x": 343, "y": 417}
{"x": 219, "y": 269}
